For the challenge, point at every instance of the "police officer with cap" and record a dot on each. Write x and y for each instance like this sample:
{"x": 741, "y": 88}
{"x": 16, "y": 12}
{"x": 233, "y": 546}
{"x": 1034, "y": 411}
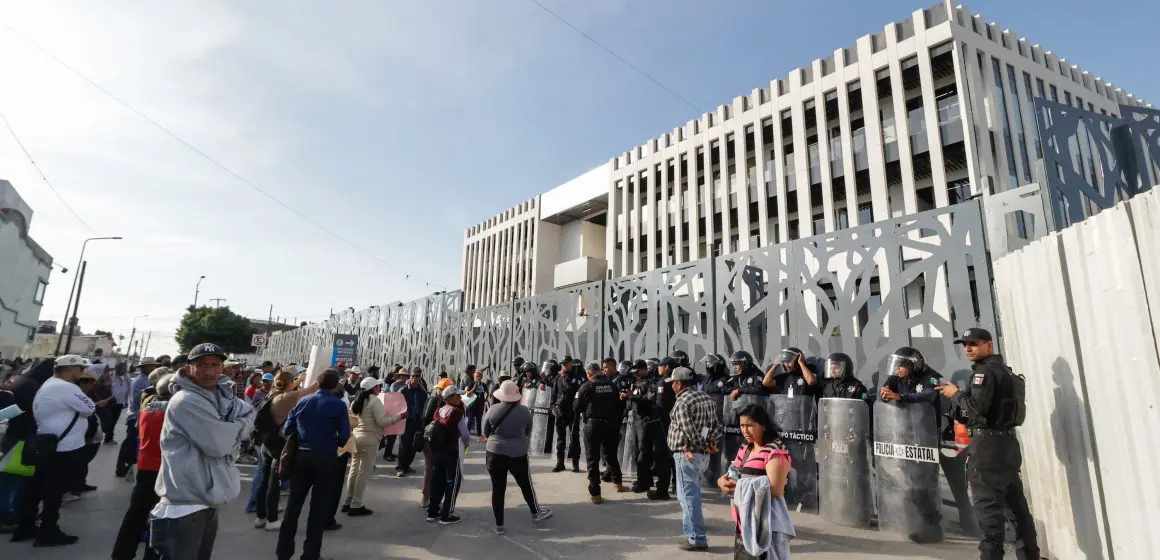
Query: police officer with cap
{"x": 746, "y": 378}
{"x": 600, "y": 402}
{"x": 564, "y": 388}
{"x": 840, "y": 382}
{"x": 994, "y": 406}
{"x": 643, "y": 401}
{"x": 789, "y": 375}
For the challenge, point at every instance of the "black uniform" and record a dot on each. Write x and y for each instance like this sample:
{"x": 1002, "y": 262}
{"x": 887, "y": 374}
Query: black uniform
{"x": 795, "y": 381}
{"x": 563, "y": 409}
{"x": 847, "y": 387}
{"x": 645, "y": 402}
{"x": 599, "y": 401}
{"x": 991, "y": 410}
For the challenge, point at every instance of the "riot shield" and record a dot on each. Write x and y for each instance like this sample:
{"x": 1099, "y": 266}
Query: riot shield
{"x": 629, "y": 446}
{"x": 843, "y": 450}
{"x": 906, "y": 458}
{"x": 714, "y": 471}
{"x": 540, "y": 413}
{"x": 796, "y": 416}
{"x": 730, "y": 427}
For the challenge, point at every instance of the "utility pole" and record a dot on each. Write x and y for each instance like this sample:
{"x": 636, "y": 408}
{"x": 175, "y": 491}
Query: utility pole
{"x": 217, "y": 301}
{"x": 148, "y": 338}
{"x": 269, "y": 323}
{"x": 72, "y": 321}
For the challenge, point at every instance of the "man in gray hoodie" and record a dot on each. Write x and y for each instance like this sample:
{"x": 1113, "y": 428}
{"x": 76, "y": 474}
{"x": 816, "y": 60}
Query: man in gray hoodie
{"x": 205, "y": 424}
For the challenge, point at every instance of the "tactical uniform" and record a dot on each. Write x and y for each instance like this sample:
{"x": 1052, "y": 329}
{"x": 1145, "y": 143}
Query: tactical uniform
{"x": 791, "y": 380}
{"x": 993, "y": 407}
{"x": 564, "y": 390}
{"x": 840, "y": 382}
{"x": 599, "y": 401}
{"x": 644, "y": 402}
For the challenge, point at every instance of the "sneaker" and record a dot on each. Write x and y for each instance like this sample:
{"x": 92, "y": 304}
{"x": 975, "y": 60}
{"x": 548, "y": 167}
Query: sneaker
{"x": 129, "y": 474}
{"x": 346, "y": 508}
{"x": 499, "y": 530}
{"x": 690, "y": 547}
{"x": 359, "y": 512}
{"x": 21, "y": 535}
{"x": 450, "y": 520}
{"x": 543, "y": 514}
{"x": 596, "y": 500}
{"x": 274, "y": 525}
{"x": 54, "y": 539}
{"x": 432, "y": 518}
{"x": 259, "y": 523}
{"x": 639, "y": 489}
{"x": 110, "y": 442}
{"x": 70, "y": 497}
{"x": 86, "y": 488}
{"x": 400, "y": 474}
{"x": 658, "y": 496}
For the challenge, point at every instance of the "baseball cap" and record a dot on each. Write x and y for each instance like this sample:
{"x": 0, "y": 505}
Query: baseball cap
{"x": 681, "y": 374}
{"x": 974, "y": 336}
{"x": 340, "y": 364}
{"x": 567, "y": 359}
{"x": 70, "y": 360}
{"x": 451, "y": 391}
{"x": 267, "y": 377}
{"x": 369, "y": 383}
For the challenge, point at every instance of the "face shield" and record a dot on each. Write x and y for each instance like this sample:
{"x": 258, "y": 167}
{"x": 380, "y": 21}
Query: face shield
{"x": 788, "y": 359}
{"x": 623, "y": 369}
{"x": 902, "y": 366}
{"x": 836, "y": 369}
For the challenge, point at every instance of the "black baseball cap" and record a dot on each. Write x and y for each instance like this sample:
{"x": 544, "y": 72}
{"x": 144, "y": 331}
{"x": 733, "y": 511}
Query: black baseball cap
{"x": 974, "y": 336}
{"x": 567, "y": 360}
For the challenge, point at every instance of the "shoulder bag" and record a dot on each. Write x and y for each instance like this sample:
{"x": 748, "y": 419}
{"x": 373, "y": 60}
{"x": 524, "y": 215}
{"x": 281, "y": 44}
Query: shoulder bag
{"x": 41, "y": 447}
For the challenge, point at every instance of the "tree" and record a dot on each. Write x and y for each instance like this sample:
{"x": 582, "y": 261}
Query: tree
{"x": 218, "y": 325}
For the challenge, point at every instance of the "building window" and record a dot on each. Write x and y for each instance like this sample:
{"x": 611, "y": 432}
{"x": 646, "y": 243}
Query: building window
{"x": 1021, "y": 131}
{"x": 1031, "y": 111}
{"x": 865, "y": 213}
{"x": 41, "y": 286}
{"x": 843, "y": 219}
{"x": 1001, "y": 100}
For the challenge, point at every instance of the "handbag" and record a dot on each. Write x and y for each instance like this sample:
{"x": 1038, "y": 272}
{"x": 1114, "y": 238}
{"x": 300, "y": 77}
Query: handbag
{"x": 12, "y": 462}
{"x": 41, "y": 447}
{"x": 289, "y": 456}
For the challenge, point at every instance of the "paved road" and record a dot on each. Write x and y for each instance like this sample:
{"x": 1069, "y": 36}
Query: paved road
{"x": 625, "y": 526}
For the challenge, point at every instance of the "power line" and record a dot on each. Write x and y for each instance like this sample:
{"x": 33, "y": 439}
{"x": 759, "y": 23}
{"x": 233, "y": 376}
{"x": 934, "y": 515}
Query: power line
{"x": 624, "y": 61}
{"x": 44, "y": 178}
{"x": 213, "y": 161}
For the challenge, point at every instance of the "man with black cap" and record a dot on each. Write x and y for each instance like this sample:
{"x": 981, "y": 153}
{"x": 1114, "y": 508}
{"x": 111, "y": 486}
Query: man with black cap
{"x": 994, "y": 406}
{"x": 601, "y": 404}
{"x": 645, "y": 403}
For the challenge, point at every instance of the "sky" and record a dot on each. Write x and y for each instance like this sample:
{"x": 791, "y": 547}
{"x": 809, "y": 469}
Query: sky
{"x": 394, "y": 124}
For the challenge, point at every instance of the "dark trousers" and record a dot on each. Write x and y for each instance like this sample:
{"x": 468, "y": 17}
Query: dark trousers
{"x": 127, "y": 455}
{"x": 339, "y": 480}
{"x": 389, "y": 450}
{"x": 108, "y": 415}
{"x": 407, "y": 447}
{"x": 136, "y": 519}
{"x": 268, "y": 490}
{"x": 475, "y": 418}
{"x": 185, "y": 538}
{"x": 568, "y": 437}
{"x": 993, "y": 474}
{"x": 313, "y": 474}
{"x": 90, "y": 453}
{"x": 445, "y": 481}
{"x": 602, "y": 438}
{"x": 551, "y": 430}
{"x": 59, "y": 471}
{"x": 653, "y": 457}
{"x": 498, "y": 466}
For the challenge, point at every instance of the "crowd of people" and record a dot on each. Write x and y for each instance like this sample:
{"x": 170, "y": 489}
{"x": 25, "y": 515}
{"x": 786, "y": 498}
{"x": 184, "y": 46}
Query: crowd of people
{"x": 190, "y": 419}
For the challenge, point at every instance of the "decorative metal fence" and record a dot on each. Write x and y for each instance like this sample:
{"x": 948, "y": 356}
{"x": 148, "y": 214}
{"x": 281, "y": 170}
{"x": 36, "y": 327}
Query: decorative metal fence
{"x": 867, "y": 290}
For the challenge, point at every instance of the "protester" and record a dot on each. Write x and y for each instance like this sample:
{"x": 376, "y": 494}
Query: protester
{"x": 9, "y": 481}
{"x": 756, "y": 479}
{"x": 319, "y": 426}
{"x": 119, "y": 383}
{"x": 102, "y": 396}
{"x": 478, "y": 388}
{"x": 285, "y": 396}
{"x": 447, "y": 451}
{"x": 58, "y": 407}
{"x": 444, "y": 381}
{"x": 350, "y": 385}
{"x": 373, "y": 420}
{"x": 143, "y": 499}
{"x": 415, "y": 396}
{"x": 345, "y": 453}
{"x": 203, "y": 429}
{"x": 506, "y": 429}
{"x": 253, "y": 383}
{"x": 127, "y": 457}
{"x": 692, "y": 437}
{"x": 263, "y": 390}
{"x": 16, "y": 475}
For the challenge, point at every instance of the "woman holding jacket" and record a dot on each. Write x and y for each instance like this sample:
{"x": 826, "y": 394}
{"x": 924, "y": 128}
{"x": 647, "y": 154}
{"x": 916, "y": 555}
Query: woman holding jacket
{"x": 372, "y": 420}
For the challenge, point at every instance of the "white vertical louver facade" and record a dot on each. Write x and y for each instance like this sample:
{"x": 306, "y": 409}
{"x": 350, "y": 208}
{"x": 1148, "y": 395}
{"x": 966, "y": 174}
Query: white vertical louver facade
{"x": 499, "y": 257}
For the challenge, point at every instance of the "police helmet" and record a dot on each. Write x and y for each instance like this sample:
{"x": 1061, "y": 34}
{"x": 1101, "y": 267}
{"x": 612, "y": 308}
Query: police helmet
{"x": 551, "y": 367}
{"x": 711, "y": 360}
{"x": 652, "y": 362}
{"x": 516, "y": 363}
{"x": 789, "y": 355}
{"x": 624, "y": 367}
{"x": 528, "y": 367}
{"x": 838, "y": 365}
{"x": 906, "y": 357}
{"x": 639, "y": 364}
{"x": 741, "y": 357}
{"x": 681, "y": 357}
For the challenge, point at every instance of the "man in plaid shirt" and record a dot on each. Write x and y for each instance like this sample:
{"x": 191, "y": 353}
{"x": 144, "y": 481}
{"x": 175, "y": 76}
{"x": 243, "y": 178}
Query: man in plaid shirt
{"x": 694, "y": 432}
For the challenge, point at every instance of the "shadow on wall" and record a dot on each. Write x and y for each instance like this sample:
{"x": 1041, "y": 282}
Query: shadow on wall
{"x": 1074, "y": 452}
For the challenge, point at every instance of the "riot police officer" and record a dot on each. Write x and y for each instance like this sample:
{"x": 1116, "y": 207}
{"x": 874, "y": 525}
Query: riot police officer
{"x": 517, "y": 362}
{"x": 994, "y": 405}
{"x": 601, "y": 404}
{"x": 564, "y": 387}
{"x": 910, "y": 379}
{"x": 644, "y": 403}
{"x": 574, "y": 369}
{"x": 624, "y": 376}
{"x": 840, "y": 382}
{"x": 716, "y": 381}
{"x": 747, "y": 378}
{"x": 789, "y": 375}
{"x": 528, "y": 376}
{"x": 682, "y": 358}
{"x": 548, "y": 373}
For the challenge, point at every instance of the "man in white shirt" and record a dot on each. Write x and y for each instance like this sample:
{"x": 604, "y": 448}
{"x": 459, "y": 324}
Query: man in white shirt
{"x": 60, "y": 409}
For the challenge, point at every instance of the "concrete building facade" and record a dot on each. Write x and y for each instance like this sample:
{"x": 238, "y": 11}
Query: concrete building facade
{"x": 23, "y": 275}
{"x": 927, "y": 112}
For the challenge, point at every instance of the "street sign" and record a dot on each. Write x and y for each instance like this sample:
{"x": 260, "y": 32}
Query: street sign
{"x": 258, "y": 341}
{"x": 345, "y": 349}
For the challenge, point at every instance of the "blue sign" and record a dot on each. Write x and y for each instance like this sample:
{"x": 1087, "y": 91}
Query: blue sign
{"x": 345, "y": 349}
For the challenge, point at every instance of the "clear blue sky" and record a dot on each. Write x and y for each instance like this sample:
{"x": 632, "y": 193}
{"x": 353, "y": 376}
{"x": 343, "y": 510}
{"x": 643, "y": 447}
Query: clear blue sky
{"x": 397, "y": 124}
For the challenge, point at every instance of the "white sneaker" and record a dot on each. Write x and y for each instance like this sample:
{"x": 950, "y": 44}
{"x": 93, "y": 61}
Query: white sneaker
{"x": 69, "y": 497}
{"x": 543, "y": 514}
{"x": 259, "y": 523}
{"x": 130, "y": 474}
{"x": 499, "y": 530}
{"x": 274, "y": 525}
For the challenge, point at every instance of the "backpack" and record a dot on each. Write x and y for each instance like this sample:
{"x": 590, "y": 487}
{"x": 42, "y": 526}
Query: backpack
{"x": 264, "y": 422}
{"x": 439, "y": 432}
{"x": 1018, "y": 397}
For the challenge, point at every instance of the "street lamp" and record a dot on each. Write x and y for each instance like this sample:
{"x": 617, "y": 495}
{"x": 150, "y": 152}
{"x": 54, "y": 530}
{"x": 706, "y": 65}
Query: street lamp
{"x": 72, "y": 291}
{"x": 197, "y": 291}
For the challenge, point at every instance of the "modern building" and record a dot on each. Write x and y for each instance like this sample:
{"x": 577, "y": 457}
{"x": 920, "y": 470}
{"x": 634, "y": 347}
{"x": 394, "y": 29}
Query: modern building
{"x": 44, "y": 344}
{"x": 925, "y": 113}
{"x": 23, "y": 274}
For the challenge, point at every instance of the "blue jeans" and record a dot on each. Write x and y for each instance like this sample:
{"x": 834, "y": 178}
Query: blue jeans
{"x": 689, "y": 472}
{"x": 254, "y": 484}
{"x": 10, "y": 491}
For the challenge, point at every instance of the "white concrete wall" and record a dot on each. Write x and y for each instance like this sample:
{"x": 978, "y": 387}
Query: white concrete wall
{"x": 575, "y": 192}
{"x": 24, "y": 266}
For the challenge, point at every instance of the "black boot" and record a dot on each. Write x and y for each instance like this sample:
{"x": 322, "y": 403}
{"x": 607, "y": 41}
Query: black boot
{"x": 559, "y": 466}
{"x": 575, "y": 465}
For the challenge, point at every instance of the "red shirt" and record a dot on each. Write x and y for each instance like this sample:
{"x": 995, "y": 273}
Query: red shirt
{"x": 149, "y": 436}
{"x": 250, "y": 392}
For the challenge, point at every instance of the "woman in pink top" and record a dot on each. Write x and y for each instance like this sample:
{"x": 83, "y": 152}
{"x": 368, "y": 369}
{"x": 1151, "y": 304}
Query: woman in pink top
{"x": 762, "y": 455}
